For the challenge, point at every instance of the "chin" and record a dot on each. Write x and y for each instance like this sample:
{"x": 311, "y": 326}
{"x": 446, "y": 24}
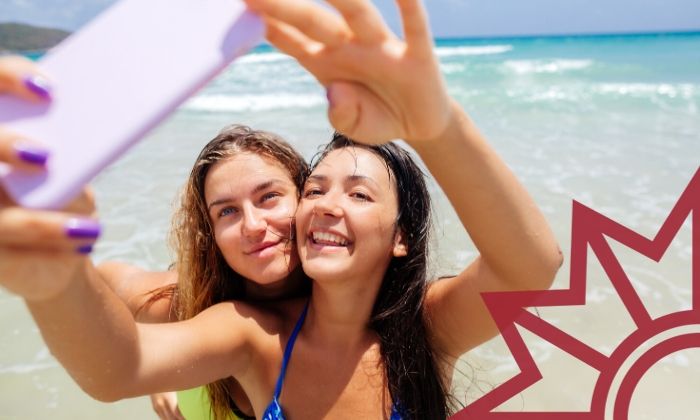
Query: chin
{"x": 323, "y": 271}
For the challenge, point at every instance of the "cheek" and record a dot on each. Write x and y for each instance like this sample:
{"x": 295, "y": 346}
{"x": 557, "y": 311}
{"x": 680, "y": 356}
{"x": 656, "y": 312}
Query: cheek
{"x": 226, "y": 240}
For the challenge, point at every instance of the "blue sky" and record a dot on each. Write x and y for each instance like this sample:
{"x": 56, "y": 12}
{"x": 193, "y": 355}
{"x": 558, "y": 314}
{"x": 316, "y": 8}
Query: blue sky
{"x": 450, "y": 18}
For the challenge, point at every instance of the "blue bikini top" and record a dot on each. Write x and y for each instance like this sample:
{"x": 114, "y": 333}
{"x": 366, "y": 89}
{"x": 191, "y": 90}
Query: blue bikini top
{"x": 274, "y": 410}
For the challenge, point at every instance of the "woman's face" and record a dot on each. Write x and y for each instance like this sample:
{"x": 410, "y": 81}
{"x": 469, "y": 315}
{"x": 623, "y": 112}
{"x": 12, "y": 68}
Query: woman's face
{"x": 251, "y": 202}
{"x": 346, "y": 218}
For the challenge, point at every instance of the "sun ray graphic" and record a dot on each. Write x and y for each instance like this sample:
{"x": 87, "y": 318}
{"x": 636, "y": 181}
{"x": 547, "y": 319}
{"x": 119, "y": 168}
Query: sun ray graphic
{"x": 589, "y": 231}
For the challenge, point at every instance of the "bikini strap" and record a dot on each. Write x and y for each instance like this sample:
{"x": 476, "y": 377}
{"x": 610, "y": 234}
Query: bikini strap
{"x": 288, "y": 351}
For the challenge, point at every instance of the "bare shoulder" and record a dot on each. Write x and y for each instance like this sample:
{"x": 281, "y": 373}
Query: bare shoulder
{"x": 263, "y": 328}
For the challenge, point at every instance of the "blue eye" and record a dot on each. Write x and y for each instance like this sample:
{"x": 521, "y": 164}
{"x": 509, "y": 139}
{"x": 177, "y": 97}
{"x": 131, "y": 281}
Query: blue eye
{"x": 227, "y": 210}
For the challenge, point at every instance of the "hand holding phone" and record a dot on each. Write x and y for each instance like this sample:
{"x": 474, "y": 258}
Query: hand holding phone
{"x": 114, "y": 80}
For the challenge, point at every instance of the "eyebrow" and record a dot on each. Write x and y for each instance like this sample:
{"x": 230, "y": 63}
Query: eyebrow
{"x": 260, "y": 187}
{"x": 351, "y": 178}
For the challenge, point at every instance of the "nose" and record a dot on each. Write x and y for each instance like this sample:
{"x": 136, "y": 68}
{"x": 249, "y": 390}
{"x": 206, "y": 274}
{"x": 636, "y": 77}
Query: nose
{"x": 254, "y": 222}
{"x": 328, "y": 205}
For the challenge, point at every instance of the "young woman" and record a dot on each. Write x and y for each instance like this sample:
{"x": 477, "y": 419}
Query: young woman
{"x": 374, "y": 340}
{"x": 243, "y": 161}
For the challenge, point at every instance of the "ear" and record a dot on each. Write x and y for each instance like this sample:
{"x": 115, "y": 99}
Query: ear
{"x": 400, "y": 247}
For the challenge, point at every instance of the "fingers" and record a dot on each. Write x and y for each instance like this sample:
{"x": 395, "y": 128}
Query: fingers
{"x": 165, "y": 405}
{"x": 21, "y": 153}
{"x": 363, "y": 19}
{"x": 47, "y": 231}
{"x": 415, "y": 25}
{"x": 289, "y": 40}
{"x": 312, "y": 20}
{"x": 84, "y": 204}
{"x": 21, "y": 77}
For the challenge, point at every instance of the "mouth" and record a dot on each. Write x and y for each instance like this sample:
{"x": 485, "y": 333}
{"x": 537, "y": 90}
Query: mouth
{"x": 261, "y": 247}
{"x": 328, "y": 239}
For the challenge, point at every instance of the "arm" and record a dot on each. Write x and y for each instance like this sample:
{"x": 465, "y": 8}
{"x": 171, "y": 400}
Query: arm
{"x": 517, "y": 248}
{"x": 135, "y": 287}
{"x": 94, "y": 336}
{"x": 86, "y": 326}
{"x": 381, "y": 87}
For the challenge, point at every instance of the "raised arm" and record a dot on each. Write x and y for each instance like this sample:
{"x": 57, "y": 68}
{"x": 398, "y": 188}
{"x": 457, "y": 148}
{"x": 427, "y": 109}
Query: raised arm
{"x": 381, "y": 87}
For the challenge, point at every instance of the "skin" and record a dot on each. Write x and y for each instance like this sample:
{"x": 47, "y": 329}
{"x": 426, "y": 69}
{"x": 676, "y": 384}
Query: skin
{"x": 251, "y": 221}
{"x": 396, "y": 92}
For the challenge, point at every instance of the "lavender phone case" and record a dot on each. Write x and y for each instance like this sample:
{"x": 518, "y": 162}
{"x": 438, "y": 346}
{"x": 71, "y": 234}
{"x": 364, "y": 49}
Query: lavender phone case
{"x": 114, "y": 80}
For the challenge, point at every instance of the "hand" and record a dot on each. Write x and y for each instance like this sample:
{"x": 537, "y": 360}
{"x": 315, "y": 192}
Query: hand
{"x": 39, "y": 250}
{"x": 165, "y": 405}
{"x": 380, "y": 87}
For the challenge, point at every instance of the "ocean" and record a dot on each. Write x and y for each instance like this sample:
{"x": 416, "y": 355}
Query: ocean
{"x": 612, "y": 122}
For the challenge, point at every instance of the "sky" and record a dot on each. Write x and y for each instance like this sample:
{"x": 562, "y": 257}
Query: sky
{"x": 449, "y": 18}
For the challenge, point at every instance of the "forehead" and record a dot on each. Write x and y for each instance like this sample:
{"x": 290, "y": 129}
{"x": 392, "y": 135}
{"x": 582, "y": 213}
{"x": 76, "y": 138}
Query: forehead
{"x": 243, "y": 170}
{"x": 350, "y": 161}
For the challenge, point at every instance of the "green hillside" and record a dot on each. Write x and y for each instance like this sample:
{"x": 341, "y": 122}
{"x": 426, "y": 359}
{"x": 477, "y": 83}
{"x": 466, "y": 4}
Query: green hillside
{"x": 21, "y": 37}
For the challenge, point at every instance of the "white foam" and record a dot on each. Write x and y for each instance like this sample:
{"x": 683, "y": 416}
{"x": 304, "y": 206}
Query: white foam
{"x": 546, "y": 66}
{"x": 481, "y": 50}
{"x": 452, "y": 68}
{"x": 271, "y": 57}
{"x": 684, "y": 90}
{"x": 25, "y": 368}
{"x": 265, "y": 102}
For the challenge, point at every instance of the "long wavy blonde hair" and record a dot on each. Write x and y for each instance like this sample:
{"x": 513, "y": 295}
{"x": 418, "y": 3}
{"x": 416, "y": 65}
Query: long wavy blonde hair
{"x": 204, "y": 276}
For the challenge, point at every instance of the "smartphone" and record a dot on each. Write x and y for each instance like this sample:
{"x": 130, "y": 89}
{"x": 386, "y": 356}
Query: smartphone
{"x": 114, "y": 80}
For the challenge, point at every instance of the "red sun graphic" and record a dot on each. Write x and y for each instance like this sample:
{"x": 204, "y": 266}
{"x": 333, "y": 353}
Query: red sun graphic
{"x": 589, "y": 231}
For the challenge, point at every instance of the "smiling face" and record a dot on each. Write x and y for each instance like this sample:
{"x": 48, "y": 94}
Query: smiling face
{"x": 346, "y": 220}
{"x": 251, "y": 201}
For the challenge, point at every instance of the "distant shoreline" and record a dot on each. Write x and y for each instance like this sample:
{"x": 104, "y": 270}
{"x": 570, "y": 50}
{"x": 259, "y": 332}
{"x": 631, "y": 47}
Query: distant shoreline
{"x": 266, "y": 47}
{"x": 645, "y": 34}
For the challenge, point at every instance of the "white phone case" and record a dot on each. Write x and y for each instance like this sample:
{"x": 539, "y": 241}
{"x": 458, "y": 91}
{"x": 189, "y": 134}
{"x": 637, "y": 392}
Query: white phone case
{"x": 114, "y": 80}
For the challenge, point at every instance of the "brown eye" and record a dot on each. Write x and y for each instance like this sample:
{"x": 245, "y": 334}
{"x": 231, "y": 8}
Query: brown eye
{"x": 360, "y": 196}
{"x": 311, "y": 192}
{"x": 269, "y": 196}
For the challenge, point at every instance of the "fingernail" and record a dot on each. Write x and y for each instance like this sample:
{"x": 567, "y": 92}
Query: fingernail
{"x": 83, "y": 228}
{"x": 38, "y": 85}
{"x": 85, "y": 249}
{"x": 32, "y": 154}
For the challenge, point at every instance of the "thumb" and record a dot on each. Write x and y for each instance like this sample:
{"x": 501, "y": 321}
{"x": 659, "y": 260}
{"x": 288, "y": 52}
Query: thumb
{"x": 343, "y": 107}
{"x": 360, "y": 114}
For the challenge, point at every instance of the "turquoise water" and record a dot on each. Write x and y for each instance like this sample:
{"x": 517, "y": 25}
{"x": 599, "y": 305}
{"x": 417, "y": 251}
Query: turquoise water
{"x": 610, "y": 121}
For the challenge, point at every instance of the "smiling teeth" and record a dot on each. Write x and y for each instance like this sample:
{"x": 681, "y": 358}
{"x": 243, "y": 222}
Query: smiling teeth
{"x": 329, "y": 238}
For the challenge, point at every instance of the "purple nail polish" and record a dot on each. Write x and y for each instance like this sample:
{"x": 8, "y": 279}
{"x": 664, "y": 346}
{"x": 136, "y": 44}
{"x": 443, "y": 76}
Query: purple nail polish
{"x": 32, "y": 154}
{"x": 85, "y": 249}
{"x": 38, "y": 85}
{"x": 83, "y": 229}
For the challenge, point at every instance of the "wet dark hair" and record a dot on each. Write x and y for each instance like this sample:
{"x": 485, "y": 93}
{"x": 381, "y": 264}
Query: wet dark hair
{"x": 398, "y": 317}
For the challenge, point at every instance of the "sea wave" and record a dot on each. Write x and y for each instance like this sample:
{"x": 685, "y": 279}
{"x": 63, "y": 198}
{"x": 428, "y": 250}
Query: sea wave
{"x": 480, "y": 50}
{"x": 238, "y": 103}
{"x": 683, "y": 90}
{"x": 269, "y": 57}
{"x": 546, "y": 66}
{"x": 24, "y": 368}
